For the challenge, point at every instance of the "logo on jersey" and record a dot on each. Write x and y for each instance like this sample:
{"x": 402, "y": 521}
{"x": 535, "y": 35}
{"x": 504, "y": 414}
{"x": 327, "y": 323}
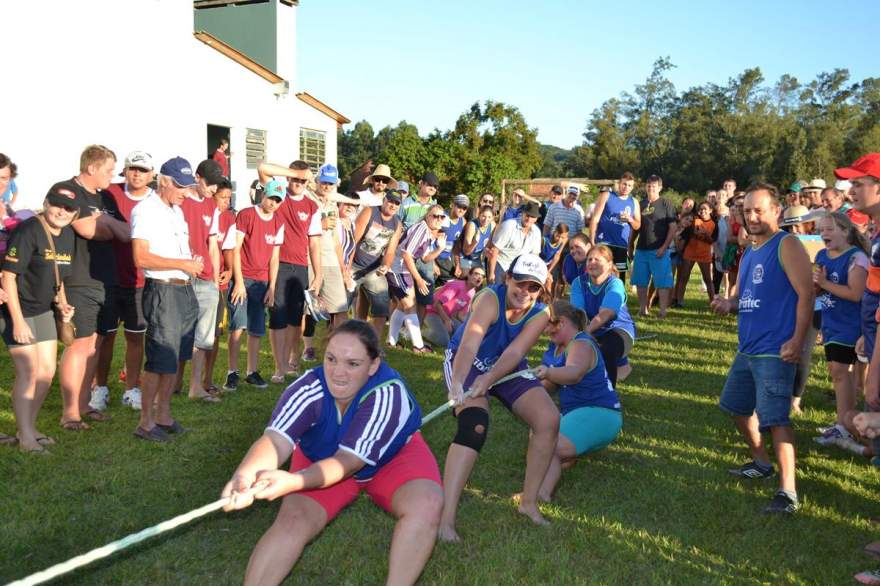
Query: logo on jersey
{"x": 207, "y": 220}
{"x": 270, "y": 239}
{"x": 758, "y": 274}
{"x": 303, "y": 216}
{"x": 826, "y": 300}
{"x": 747, "y": 303}
{"x": 834, "y": 277}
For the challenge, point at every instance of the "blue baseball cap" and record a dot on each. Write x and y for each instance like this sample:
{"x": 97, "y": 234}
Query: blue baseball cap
{"x": 180, "y": 171}
{"x": 275, "y": 189}
{"x": 328, "y": 174}
{"x": 403, "y": 187}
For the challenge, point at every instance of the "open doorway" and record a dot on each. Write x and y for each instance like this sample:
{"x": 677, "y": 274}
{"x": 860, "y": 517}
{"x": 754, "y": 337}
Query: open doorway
{"x": 218, "y": 146}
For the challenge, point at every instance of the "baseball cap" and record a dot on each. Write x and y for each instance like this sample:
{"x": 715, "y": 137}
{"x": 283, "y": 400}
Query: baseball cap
{"x": 394, "y": 195}
{"x": 815, "y": 184}
{"x": 403, "y": 187}
{"x": 604, "y": 188}
{"x": 462, "y": 201}
{"x": 865, "y": 165}
{"x": 430, "y": 179}
{"x": 328, "y": 174}
{"x": 557, "y": 189}
{"x": 574, "y": 189}
{"x": 180, "y": 171}
{"x": 210, "y": 171}
{"x": 795, "y": 187}
{"x": 795, "y": 215}
{"x": 275, "y": 189}
{"x": 842, "y": 185}
{"x": 64, "y": 193}
{"x": 532, "y": 209}
{"x": 139, "y": 160}
{"x": 529, "y": 267}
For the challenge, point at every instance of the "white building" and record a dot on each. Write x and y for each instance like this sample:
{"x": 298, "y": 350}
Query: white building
{"x": 137, "y": 74}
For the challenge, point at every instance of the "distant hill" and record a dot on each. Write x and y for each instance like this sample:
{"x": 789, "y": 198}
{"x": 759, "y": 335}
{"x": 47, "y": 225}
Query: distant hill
{"x": 556, "y": 161}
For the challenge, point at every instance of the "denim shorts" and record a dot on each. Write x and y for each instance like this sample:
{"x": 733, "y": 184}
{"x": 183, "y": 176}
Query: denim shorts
{"x": 869, "y": 321}
{"x": 207, "y": 295}
{"x": 762, "y": 384}
{"x": 426, "y": 270}
{"x": 375, "y": 288}
{"x": 647, "y": 265}
{"x": 250, "y": 314}
{"x": 171, "y": 312}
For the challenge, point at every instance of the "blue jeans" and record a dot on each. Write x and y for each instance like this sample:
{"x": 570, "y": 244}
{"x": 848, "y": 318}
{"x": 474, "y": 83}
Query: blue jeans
{"x": 761, "y": 384}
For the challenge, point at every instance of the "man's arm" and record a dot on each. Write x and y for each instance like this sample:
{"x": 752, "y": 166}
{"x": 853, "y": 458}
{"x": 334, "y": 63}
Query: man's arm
{"x": 144, "y": 259}
{"x": 798, "y": 269}
{"x": 597, "y": 213}
{"x": 266, "y": 171}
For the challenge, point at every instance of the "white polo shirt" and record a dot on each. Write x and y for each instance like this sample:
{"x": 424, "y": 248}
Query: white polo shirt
{"x": 165, "y": 230}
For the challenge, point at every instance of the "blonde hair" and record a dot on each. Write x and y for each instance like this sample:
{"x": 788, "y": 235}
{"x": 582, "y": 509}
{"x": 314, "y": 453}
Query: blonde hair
{"x": 605, "y": 252}
{"x": 94, "y": 154}
{"x": 853, "y": 236}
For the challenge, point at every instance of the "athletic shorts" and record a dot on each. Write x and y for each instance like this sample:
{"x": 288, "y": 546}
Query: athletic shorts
{"x": 413, "y": 462}
{"x": 400, "y": 285}
{"x": 591, "y": 428}
{"x": 646, "y": 265}
{"x": 620, "y": 257}
{"x": 94, "y": 309}
{"x": 762, "y": 385}
{"x": 42, "y": 328}
{"x": 290, "y": 298}
{"x": 507, "y": 392}
{"x": 835, "y": 352}
{"x": 128, "y": 308}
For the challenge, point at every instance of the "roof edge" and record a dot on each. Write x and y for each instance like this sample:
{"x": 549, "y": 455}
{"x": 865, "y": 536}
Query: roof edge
{"x": 323, "y": 108}
{"x": 237, "y": 56}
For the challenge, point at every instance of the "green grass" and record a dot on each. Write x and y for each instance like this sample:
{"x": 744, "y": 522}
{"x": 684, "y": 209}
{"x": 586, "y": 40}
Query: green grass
{"x": 656, "y": 507}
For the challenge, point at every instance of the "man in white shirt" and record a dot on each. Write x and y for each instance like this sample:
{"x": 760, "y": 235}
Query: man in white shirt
{"x": 160, "y": 246}
{"x": 512, "y": 238}
{"x": 376, "y": 185}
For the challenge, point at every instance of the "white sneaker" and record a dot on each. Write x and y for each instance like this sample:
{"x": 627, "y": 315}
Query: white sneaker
{"x": 132, "y": 398}
{"x": 100, "y": 397}
{"x": 848, "y": 443}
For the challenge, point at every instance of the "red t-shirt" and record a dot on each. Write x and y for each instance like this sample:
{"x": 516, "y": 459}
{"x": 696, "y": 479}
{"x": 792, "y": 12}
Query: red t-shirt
{"x": 261, "y": 236}
{"x": 224, "y": 223}
{"x": 297, "y": 217}
{"x": 201, "y": 218}
{"x": 223, "y": 161}
{"x": 129, "y": 275}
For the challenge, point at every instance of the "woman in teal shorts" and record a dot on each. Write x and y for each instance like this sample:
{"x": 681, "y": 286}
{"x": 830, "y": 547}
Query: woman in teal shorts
{"x": 591, "y": 413}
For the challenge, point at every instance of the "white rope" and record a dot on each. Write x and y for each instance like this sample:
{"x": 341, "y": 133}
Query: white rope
{"x": 528, "y": 373}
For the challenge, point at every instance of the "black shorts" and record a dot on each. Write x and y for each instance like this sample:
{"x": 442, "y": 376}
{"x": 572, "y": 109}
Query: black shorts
{"x": 426, "y": 270}
{"x": 95, "y": 309}
{"x": 128, "y": 307}
{"x": 290, "y": 287}
{"x": 835, "y": 352}
{"x": 621, "y": 258}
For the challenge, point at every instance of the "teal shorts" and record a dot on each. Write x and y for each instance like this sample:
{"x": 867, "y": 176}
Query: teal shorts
{"x": 591, "y": 428}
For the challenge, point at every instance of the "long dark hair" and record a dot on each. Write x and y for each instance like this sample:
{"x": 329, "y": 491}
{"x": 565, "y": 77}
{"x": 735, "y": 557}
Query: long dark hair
{"x": 363, "y": 331}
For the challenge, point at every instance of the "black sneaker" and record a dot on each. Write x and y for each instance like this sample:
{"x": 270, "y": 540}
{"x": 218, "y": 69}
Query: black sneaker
{"x": 753, "y": 470}
{"x": 156, "y": 434}
{"x": 231, "y": 383}
{"x": 175, "y": 427}
{"x": 255, "y": 380}
{"x": 781, "y": 503}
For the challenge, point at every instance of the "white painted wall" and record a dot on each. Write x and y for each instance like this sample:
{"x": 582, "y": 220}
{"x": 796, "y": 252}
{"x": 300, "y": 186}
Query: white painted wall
{"x": 130, "y": 75}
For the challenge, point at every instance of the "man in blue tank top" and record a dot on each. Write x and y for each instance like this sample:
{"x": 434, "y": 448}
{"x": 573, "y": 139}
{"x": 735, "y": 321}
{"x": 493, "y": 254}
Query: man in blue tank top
{"x": 614, "y": 218}
{"x": 775, "y": 307}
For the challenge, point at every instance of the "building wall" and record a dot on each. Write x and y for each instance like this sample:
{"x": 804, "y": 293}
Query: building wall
{"x": 152, "y": 87}
{"x": 249, "y": 28}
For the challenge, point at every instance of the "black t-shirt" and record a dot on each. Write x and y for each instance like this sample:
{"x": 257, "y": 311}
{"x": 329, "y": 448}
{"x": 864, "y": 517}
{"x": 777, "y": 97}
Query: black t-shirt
{"x": 94, "y": 262}
{"x": 30, "y": 258}
{"x": 656, "y": 219}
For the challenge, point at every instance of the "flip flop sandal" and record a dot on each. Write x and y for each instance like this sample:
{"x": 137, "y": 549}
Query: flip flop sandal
{"x": 96, "y": 415}
{"x": 41, "y": 451}
{"x": 206, "y": 398}
{"x": 45, "y": 440}
{"x": 75, "y": 425}
{"x": 8, "y": 440}
{"x": 873, "y": 549}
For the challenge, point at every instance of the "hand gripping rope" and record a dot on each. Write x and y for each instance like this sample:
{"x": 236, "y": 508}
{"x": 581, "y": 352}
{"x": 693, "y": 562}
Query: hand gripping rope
{"x": 120, "y": 544}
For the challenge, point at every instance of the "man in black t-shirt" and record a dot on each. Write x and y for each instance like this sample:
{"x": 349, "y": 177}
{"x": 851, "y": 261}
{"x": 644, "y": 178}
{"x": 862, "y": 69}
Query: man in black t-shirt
{"x": 92, "y": 280}
{"x": 652, "y": 240}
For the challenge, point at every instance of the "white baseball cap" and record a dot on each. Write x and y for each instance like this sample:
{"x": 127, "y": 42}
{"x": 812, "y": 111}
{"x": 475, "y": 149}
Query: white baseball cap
{"x": 529, "y": 267}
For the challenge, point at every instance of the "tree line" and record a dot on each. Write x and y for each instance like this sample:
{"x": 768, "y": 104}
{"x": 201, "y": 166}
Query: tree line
{"x": 694, "y": 139}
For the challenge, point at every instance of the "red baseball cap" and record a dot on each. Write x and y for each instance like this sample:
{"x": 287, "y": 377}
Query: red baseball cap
{"x": 866, "y": 165}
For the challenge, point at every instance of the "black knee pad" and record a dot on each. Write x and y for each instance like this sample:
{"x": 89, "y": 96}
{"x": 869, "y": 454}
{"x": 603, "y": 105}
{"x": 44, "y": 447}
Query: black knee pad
{"x": 473, "y": 424}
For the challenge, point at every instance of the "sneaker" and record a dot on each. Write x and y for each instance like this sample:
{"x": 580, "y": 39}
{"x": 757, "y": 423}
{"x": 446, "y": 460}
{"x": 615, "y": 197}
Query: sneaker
{"x": 309, "y": 355}
{"x": 255, "y": 380}
{"x": 157, "y": 434}
{"x": 868, "y": 577}
{"x": 781, "y": 503}
{"x": 851, "y": 445}
{"x": 132, "y": 398}
{"x": 831, "y": 435}
{"x": 100, "y": 398}
{"x": 231, "y": 383}
{"x": 824, "y": 428}
{"x": 753, "y": 470}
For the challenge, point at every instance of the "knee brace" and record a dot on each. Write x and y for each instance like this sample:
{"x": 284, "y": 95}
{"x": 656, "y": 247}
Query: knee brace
{"x": 473, "y": 423}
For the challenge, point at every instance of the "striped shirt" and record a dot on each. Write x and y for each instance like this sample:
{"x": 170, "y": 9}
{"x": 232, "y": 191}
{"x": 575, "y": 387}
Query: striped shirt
{"x": 560, "y": 214}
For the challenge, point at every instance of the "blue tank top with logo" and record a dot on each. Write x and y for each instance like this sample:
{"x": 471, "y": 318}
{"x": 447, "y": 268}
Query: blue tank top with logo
{"x": 453, "y": 230}
{"x": 841, "y": 320}
{"x": 767, "y": 301}
{"x": 500, "y": 334}
{"x": 593, "y": 390}
{"x": 594, "y": 296}
{"x": 549, "y": 250}
{"x": 482, "y": 238}
{"x": 611, "y": 230}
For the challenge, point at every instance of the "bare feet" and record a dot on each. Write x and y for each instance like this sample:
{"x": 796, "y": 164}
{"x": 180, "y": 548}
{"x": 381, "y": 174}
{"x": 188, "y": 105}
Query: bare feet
{"x": 532, "y": 512}
{"x": 545, "y": 498}
{"x": 448, "y": 534}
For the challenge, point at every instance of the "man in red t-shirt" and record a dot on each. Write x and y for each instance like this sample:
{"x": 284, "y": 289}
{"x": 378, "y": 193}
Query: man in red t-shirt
{"x": 202, "y": 220}
{"x": 221, "y": 156}
{"x": 259, "y": 234}
{"x": 302, "y": 243}
{"x": 225, "y": 229}
{"x": 138, "y": 173}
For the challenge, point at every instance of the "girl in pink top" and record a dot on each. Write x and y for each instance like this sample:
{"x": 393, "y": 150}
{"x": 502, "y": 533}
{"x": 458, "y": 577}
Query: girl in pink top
{"x": 451, "y": 304}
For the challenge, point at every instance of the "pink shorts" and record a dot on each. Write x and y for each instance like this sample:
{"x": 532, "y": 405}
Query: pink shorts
{"x": 413, "y": 462}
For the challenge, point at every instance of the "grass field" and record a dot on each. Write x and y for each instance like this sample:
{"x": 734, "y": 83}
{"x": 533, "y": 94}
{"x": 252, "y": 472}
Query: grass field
{"x": 657, "y": 507}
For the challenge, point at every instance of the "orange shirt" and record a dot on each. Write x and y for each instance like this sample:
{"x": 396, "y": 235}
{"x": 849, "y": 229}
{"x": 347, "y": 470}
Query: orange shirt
{"x": 699, "y": 247}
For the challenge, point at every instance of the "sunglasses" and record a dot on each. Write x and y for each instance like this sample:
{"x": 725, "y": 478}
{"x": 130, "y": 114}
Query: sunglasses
{"x": 298, "y": 181}
{"x": 381, "y": 180}
{"x": 529, "y": 286}
{"x": 438, "y": 216}
{"x": 393, "y": 201}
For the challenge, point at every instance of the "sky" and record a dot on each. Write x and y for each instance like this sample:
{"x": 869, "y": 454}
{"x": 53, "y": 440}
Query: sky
{"x": 426, "y": 61}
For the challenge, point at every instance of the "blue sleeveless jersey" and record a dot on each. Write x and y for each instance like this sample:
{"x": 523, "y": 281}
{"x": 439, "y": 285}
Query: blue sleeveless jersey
{"x": 610, "y": 229}
{"x": 323, "y": 437}
{"x": 767, "y": 301}
{"x": 841, "y": 319}
{"x": 549, "y": 250}
{"x": 482, "y": 239}
{"x": 453, "y": 230}
{"x": 500, "y": 334}
{"x": 593, "y": 390}
{"x": 593, "y": 297}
